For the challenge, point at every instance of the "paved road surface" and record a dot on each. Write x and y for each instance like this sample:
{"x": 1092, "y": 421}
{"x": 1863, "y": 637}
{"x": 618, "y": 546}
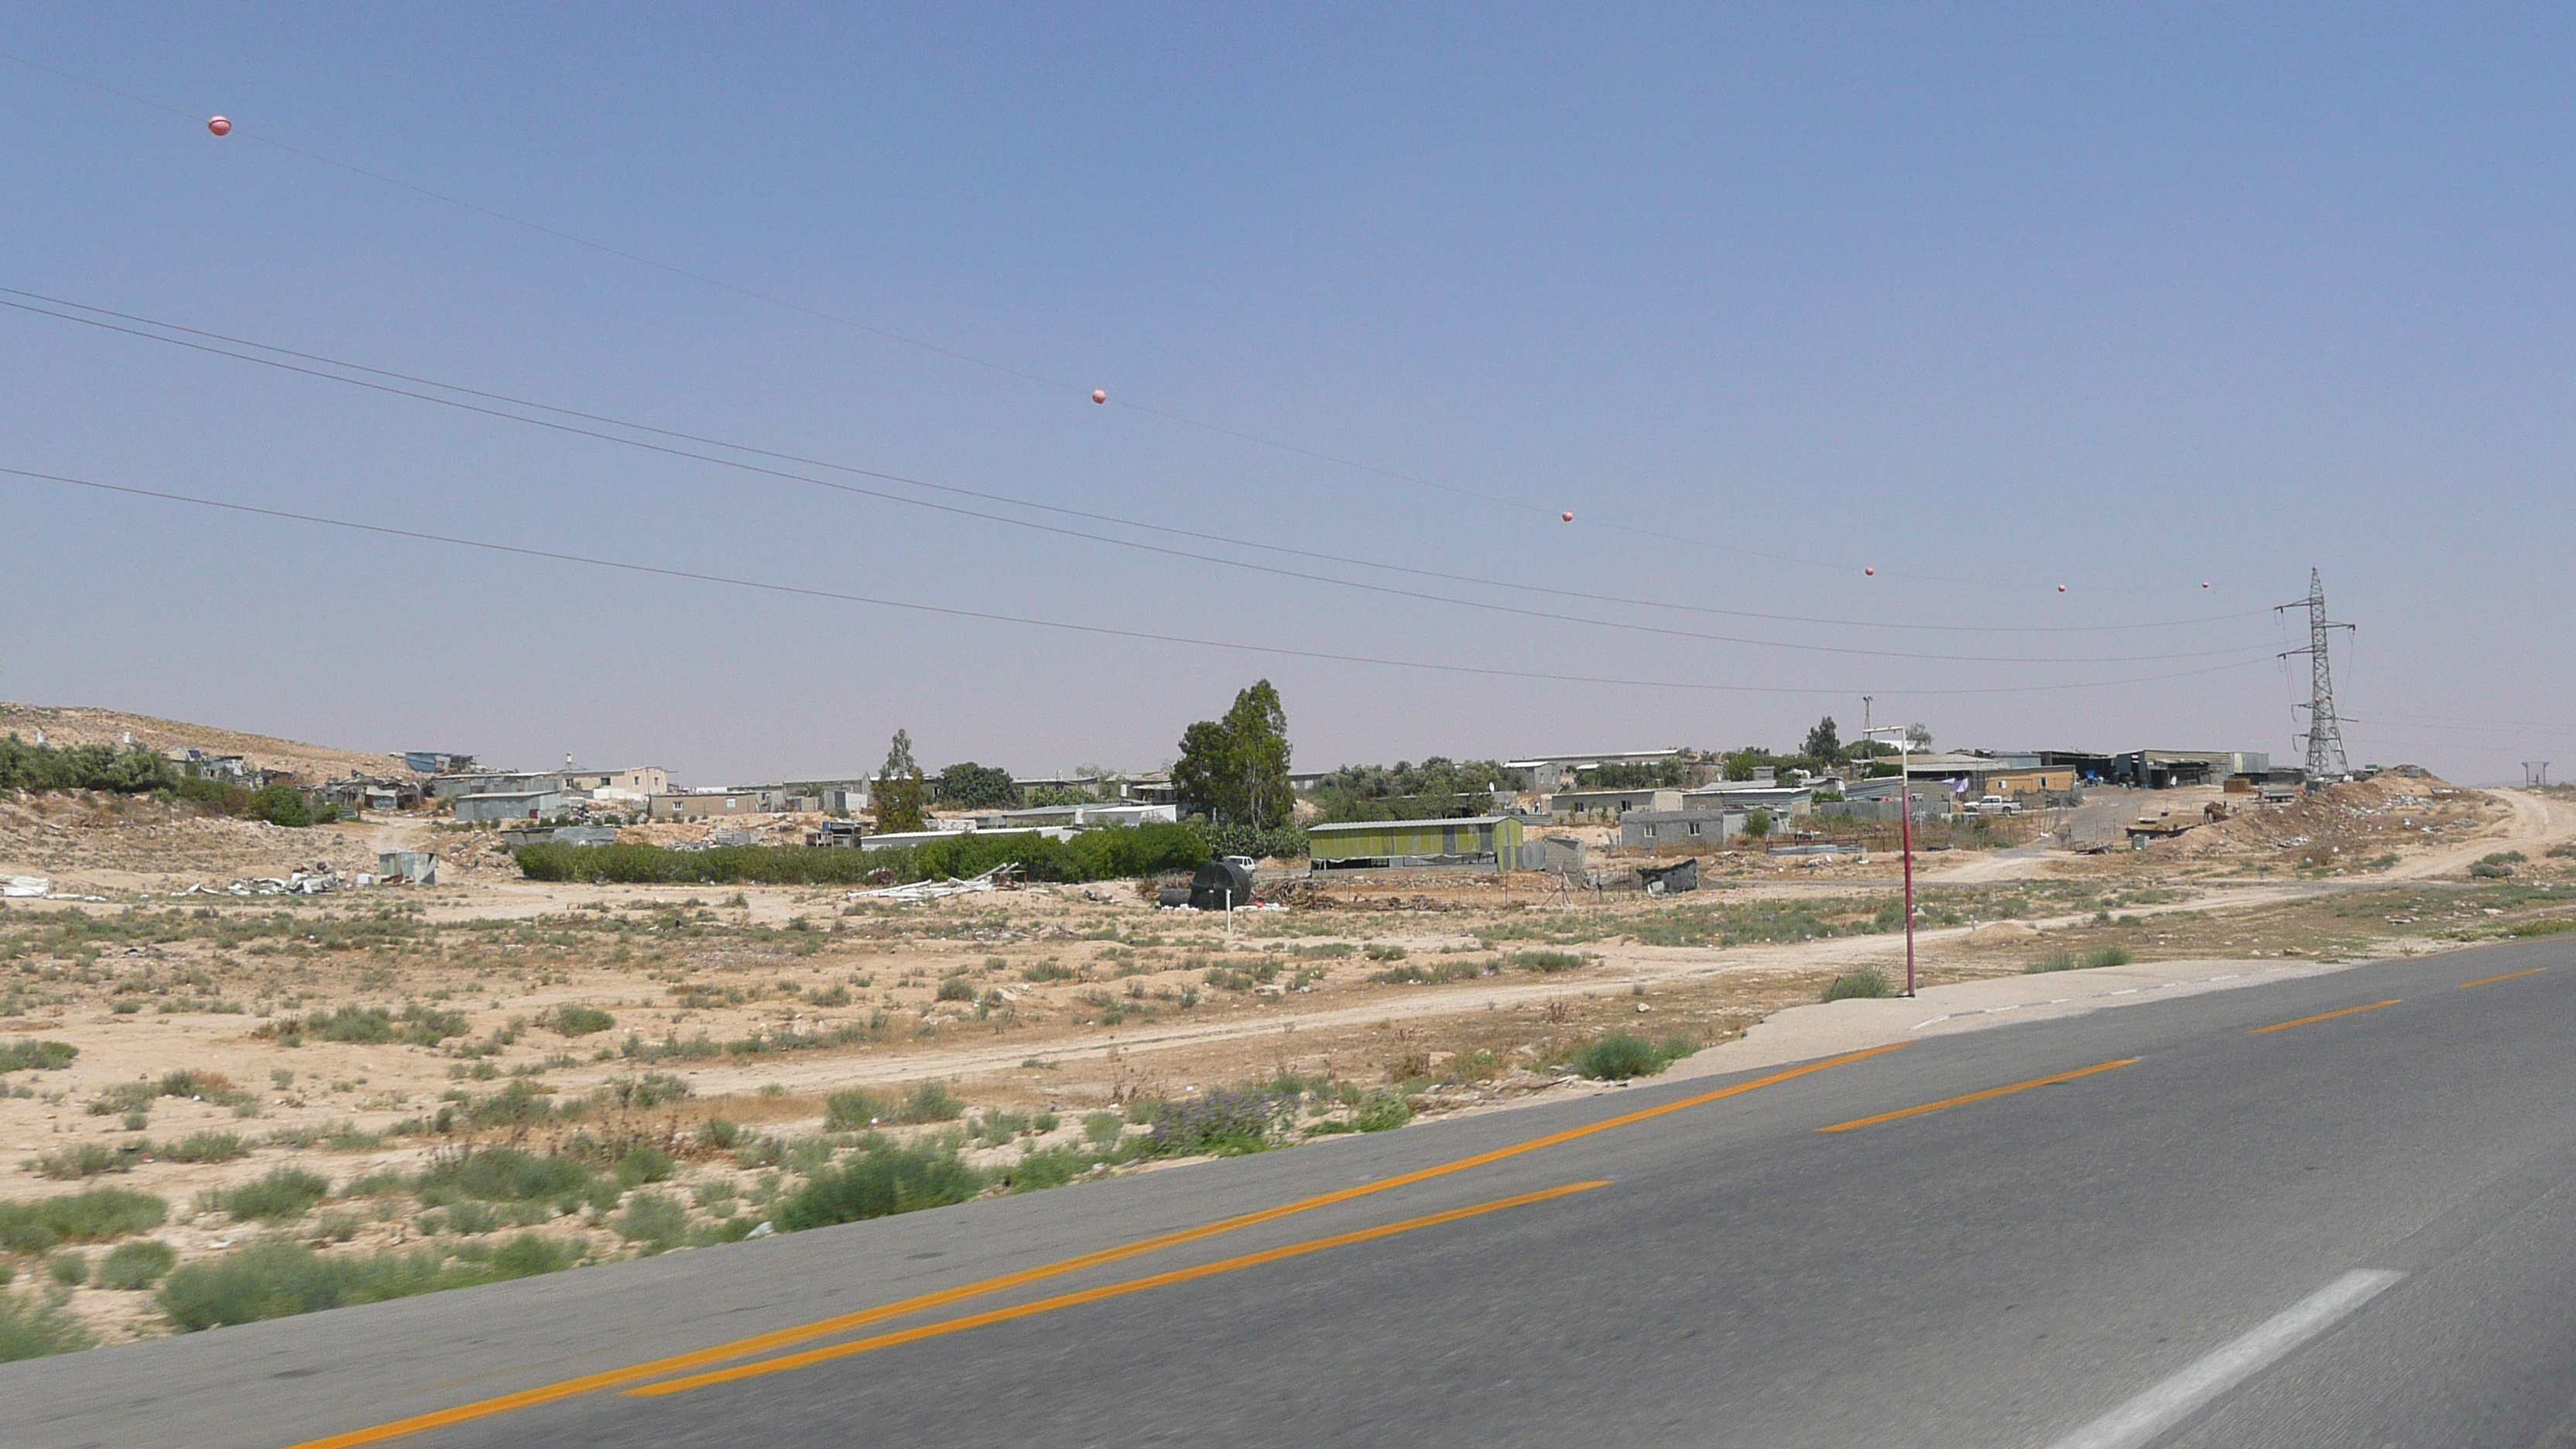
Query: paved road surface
{"x": 2353, "y": 1230}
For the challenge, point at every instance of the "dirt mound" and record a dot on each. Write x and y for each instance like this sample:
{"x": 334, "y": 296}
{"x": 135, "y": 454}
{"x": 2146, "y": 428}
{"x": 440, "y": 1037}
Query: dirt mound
{"x": 2393, "y": 812}
{"x": 77, "y": 725}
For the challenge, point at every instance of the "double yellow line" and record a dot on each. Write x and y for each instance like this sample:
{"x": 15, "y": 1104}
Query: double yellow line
{"x": 699, "y": 1359}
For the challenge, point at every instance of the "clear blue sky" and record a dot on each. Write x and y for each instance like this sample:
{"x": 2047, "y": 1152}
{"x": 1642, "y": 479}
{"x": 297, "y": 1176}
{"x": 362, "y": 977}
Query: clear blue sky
{"x": 1988, "y": 299}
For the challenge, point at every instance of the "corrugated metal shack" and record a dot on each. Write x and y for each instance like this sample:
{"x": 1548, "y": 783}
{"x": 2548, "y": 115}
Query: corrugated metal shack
{"x": 1486, "y": 840}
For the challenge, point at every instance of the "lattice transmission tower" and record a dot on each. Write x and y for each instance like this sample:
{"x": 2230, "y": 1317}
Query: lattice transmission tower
{"x": 2325, "y": 728}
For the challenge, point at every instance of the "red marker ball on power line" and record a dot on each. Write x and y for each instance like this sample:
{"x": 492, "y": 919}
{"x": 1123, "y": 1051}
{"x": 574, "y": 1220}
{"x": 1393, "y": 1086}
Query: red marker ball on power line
{"x": 1099, "y": 396}
{"x": 220, "y": 126}
{"x": 1567, "y": 516}
{"x": 2204, "y": 583}
{"x": 2061, "y": 588}
{"x": 1871, "y": 571}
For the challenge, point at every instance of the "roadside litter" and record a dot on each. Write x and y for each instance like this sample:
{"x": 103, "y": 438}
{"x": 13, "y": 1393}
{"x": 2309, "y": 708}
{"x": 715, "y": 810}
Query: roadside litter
{"x": 1001, "y": 877}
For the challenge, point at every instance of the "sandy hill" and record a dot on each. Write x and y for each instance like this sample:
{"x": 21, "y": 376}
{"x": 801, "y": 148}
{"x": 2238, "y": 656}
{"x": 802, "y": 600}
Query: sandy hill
{"x": 76, "y": 725}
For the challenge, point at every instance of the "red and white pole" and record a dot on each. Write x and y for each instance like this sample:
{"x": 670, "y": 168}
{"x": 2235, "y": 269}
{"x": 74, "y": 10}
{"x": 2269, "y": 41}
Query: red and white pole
{"x": 1905, "y": 827}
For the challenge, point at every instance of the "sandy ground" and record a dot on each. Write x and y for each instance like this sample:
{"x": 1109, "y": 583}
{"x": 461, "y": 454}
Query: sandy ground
{"x": 1057, "y": 1002}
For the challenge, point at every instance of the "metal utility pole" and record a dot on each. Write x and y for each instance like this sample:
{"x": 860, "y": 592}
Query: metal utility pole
{"x": 1905, "y": 832}
{"x": 2325, "y": 729}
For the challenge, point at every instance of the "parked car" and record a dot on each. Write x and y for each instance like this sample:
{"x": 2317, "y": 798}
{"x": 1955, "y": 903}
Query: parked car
{"x": 1994, "y": 805}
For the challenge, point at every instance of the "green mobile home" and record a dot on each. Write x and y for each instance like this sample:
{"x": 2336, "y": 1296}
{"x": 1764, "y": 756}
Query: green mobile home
{"x": 1487, "y": 840}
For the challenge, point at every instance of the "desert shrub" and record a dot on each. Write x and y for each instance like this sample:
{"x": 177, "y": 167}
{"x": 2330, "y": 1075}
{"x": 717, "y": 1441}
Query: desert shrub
{"x": 930, "y": 1102}
{"x": 1383, "y": 952}
{"x": 718, "y": 1132}
{"x": 876, "y": 1181}
{"x": 853, "y": 1110}
{"x": 131, "y": 770}
{"x": 465, "y": 1218}
{"x": 1546, "y": 960}
{"x": 581, "y": 1020}
{"x": 653, "y": 1219}
{"x": 33, "y": 1328}
{"x": 1045, "y": 1168}
{"x": 1221, "y": 1122}
{"x": 1382, "y": 1111}
{"x": 956, "y": 988}
{"x": 36, "y": 1056}
{"x": 281, "y": 805}
{"x": 94, "y": 1216}
{"x": 1868, "y": 981}
{"x": 2053, "y": 961}
{"x": 130, "y": 1266}
{"x": 1048, "y": 971}
{"x": 1617, "y": 1057}
{"x": 278, "y": 1278}
{"x": 207, "y": 1147}
{"x": 89, "y": 1159}
{"x": 1103, "y": 1128}
{"x": 642, "y": 1165}
{"x": 646, "y": 1092}
{"x": 2490, "y": 870}
{"x": 124, "y": 1097}
{"x": 530, "y": 1254}
{"x": 374, "y": 1026}
{"x": 1413, "y": 973}
{"x": 69, "y": 1269}
{"x": 2107, "y": 956}
{"x": 285, "y": 1194}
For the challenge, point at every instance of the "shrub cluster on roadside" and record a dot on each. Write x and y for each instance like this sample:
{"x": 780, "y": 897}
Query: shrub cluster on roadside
{"x": 1618, "y": 1056}
{"x": 1867, "y": 982}
{"x": 1093, "y": 855}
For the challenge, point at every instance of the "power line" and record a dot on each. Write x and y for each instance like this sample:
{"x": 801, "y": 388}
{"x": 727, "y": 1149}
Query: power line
{"x": 884, "y": 496}
{"x": 1004, "y": 369}
{"x": 1092, "y": 516}
{"x": 986, "y": 616}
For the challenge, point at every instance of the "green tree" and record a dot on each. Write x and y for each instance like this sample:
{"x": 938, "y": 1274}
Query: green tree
{"x": 1919, "y": 735}
{"x": 281, "y": 805}
{"x": 1824, "y": 742}
{"x": 900, "y": 789}
{"x": 1757, "y": 824}
{"x": 1235, "y": 770}
{"x": 970, "y": 786}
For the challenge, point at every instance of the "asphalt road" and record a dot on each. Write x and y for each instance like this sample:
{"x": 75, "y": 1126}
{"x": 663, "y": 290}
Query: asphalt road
{"x": 2356, "y": 1230}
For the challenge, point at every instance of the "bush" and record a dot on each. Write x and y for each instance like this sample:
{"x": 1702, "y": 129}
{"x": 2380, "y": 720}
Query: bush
{"x": 130, "y": 1266}
{"x": 2053, "y": 961}
{"x": 36, "y": 1056}
{"x": 1103, "y": 1128}
{"x": 642, "y": 1165}
{"x": 530, "y": 1254}
{"x": 207, "y": 1147}
{"x": 277, "y": 1278}
{"x": 1548, "y": 961}
{"x": 1382, "y": 1111}
{"x": 2107, "y": 956}
{"x": 573, "y": 1020}
{"x": 1867, "y": 982}
{"x": 281, "y": 805}
{"x": 653, "y": 1219}
{"x": 1617, "y": 1057}
{"x": 1093, "y": 855}
{"x": 1221, "y": 1122}
{"x": 2489, "y": 870}
{"x": 930, "y": 1102}
{"x": 87, "y": 1160}
{"x": 853, "y": 1111}
{"x": 129, "y": 771}
{"x": 877, "y": 1181}
{"x": 69, "y": 1269}
{"x": 94, "y": 1216}
{"x": 33, "y": 1328}
{"x": 285, "y": 1194}
{"x": 500, "y": 1174}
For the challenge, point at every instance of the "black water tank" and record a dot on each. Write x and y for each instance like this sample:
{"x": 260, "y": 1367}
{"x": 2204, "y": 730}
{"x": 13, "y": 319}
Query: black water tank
{"x": 1208, "y": 889}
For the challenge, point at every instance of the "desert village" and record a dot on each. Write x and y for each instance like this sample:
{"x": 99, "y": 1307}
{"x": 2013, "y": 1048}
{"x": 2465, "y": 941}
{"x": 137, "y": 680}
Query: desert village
{"x": 420, "y": 1036}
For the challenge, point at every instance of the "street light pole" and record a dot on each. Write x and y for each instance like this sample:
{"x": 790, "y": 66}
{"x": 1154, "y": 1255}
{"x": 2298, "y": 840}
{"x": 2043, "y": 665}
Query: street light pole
{"x": 1905, "y": 831}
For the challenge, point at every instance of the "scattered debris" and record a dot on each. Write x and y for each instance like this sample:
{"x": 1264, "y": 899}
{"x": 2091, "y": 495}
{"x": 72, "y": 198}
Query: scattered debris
{"x": 25, "y": 885}
{"x": 1001, "y": 877}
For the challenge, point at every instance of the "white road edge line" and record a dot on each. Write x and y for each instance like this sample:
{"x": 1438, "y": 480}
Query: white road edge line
{"x": 2142, "y": 1419}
